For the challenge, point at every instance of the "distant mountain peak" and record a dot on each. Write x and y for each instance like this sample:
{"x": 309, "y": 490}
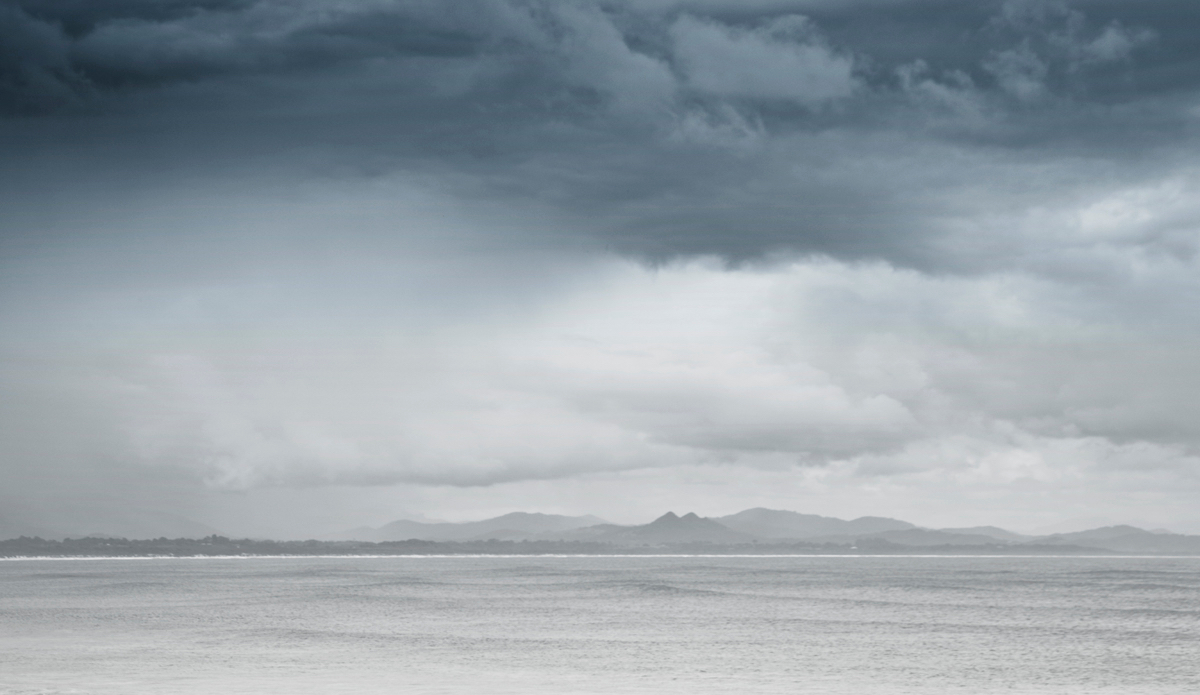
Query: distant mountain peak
{"x": 672, "y": 528}
{"x": 673, "y": 518}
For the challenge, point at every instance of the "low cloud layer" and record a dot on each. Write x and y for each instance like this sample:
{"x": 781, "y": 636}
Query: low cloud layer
{"x": 254, "y": 245}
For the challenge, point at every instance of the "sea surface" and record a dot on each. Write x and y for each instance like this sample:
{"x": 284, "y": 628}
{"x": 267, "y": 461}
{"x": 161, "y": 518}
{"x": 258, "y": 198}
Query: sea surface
{"x": 561, "y": 625}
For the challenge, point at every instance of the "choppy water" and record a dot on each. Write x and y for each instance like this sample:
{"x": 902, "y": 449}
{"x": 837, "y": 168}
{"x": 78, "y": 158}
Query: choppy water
{"x": 601, "y": 625}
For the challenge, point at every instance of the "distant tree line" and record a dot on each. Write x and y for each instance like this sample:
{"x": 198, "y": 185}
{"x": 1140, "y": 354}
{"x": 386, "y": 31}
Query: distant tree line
{"x": 212, "y": 546}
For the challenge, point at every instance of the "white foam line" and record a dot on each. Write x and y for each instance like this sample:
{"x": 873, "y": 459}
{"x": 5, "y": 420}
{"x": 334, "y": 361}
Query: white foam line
{"x": 554, "y": 555}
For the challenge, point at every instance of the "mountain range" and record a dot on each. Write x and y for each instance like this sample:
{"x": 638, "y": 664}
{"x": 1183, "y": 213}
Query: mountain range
{"x": 514, "y": 526}
{"x": 771, "y": 526}
{"x": 759, "y": 527}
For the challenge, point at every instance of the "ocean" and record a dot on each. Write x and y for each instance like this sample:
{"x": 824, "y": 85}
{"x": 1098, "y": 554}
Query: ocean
{"x": 643, "y": 624}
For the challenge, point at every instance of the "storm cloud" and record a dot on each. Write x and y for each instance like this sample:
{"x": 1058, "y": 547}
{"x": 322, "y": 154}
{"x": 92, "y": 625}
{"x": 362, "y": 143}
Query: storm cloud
{"x": 669, "y": 127}
{"x": 929, "y": 247}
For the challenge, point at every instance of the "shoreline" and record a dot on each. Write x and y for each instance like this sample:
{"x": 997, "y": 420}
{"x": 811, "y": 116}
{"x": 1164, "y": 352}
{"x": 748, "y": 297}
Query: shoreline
{"x": 31, "y": 558}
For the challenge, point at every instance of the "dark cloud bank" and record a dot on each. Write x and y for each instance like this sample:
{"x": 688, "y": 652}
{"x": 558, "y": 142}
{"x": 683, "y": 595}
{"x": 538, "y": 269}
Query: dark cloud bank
{"x": 671, "y": 127}
{"x": 247, "y": 244}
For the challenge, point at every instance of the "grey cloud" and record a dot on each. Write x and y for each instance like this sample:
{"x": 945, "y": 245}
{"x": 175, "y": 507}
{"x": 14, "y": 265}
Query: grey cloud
{"x": 781, "y": 60}
{"x": 661, "y": 128}
{"x": 814, "y": 364}
{"x": 274, "y": 36}
{"x": 1020, "y": 72}
{"x": 78, "y": 17}
{"x": 772, "y": 47}
{"x": 35, "y": 68}
{"x": 1116, "y": 43}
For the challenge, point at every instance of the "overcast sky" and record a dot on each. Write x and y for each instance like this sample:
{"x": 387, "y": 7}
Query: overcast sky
{"x": 287, "y": 267}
